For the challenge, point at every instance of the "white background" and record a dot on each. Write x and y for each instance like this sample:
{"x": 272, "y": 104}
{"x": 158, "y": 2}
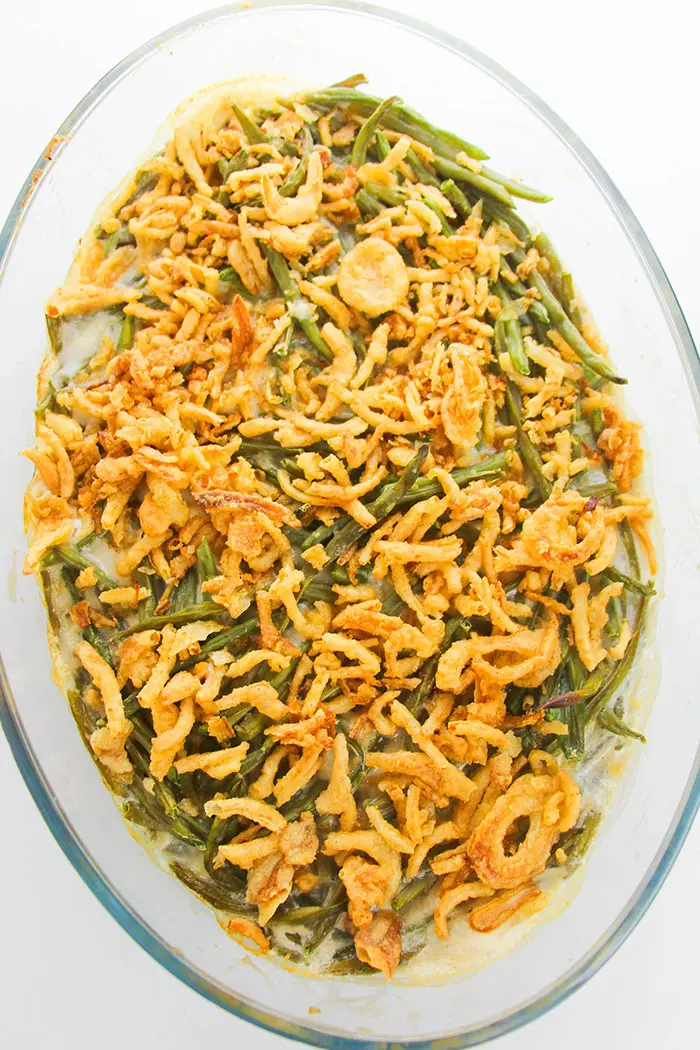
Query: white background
{"x": 625, "y": 76}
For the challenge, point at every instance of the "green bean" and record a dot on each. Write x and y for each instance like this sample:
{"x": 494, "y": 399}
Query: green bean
{"x": 368, "y": 203}
{"x": 335, "y": 895}
{"x": 250, "y": 129}
{"x": 509, "y": 331}
{"x": 54, "y": 327}
{"x": 573, "y": 745}
{"x": 621, "y": 670}
{"x": 614, "y": 724}
{"x": 137, "y": 814}
{"x": 185, "y": 594}
{"x": 161, "y": 805}
{"x": 393, "y": 198}
{"x": 119, "y": 239}
{"x": 202, "y": 611}
{"x": 77, "y": 560}
{"x": 236, "y": 163}
{"x": 444, "y": 224}
{"x": 414, "y": 889}
{"x": 222, "y": 640}
{"x": 415, "y": 699}
{"x": 614, "y": 624}
{"x": 234, "y": 716}
{"x": 449, "y": 169}
{"x": 251, "y": 725}
{"x": 576, "y": 842}
{"x": 189, "y": 829}
{"x": 220, "y": 831}
{"x": 125, "y": 340}
{"x": 490, "y": 468}
{"x": 592, "y": 489}
{"x": 321, "y": 534}
{"x": 494, "y": 211}
{"x": 312, "y": 913}
{"x": 251, "y": 447}
{"x": 148, "y": 604}
{"x": 89, "y": 633}
{"x": 302, "y": 802}
{"x": 349, "y": 967}
{"x": 87, "y": 540}
{"x": 82, "y": 715}
{"x": 358, "y": 770}
{"x": 568, "y": 298}
{"x": 456, "y": 197}
{"x": 595, "y": 681}
{"x": 630, "y": 545}
{"x": 535, "y": 309}
{"x": 287, "y": 286}
{"x": 366, "y": 132}
{"x": 319, "y": 592}
{"x": 206, "y": 562}
{"x": 48, "y": 401}
{"x": 615, "y": 576}
{"x": 339, "y": 574}
{"x": 290, "y": 465}
{"x": 229, "y": 276}
{"x": 382, "y": 145}
{"x": 393, "y": 605}
{"x": 254, "y": 761}
{"x": 382, "y": 803}
{"x": 213, "y": 893}
{"x": 147, "y": 814}
{"x": 380, "y": 508}
{"x": 555, "y": 273}
{"x": 529, "y": 453}
{"x": 570, "y": 333}
{"x": 597, "y": 422}
{"x": 399, "y": 118}
{"x": 294, "y": 181}
{"x": 351, "y": 82}
{"x": 421, "y": 171}
{"x": 517, "y": 188}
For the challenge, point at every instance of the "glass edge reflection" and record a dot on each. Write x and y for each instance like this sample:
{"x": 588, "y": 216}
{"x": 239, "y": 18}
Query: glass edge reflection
{"x": 20, "y": 747}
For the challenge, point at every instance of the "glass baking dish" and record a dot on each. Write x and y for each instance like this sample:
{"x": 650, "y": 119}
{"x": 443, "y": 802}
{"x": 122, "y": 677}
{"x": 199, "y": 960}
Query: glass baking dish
{"x": 630, "y": 296}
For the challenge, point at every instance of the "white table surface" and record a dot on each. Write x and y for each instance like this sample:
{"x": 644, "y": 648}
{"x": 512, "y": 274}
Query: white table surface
{"x": 625, "y": 76}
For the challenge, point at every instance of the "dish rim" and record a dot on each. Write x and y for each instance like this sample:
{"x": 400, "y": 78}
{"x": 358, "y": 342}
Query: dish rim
{"x": 22, "y": 750}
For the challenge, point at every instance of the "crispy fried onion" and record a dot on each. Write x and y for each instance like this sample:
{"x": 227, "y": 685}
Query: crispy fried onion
{"x": 107, "y": 742}
{"x": 216, "y": 764}
{"x": 338, "y": 799}
{"x": 588, "y": 618}
{"x": 453, "y": 782}
{"x": 558, "y": 535}
{"x": 463, "y": 403}
{"x": 371, "y": 883}
{"x": 373, "y": 278}
{"x": 51, "y": 522}
{"x": 292, "y": 211}
{"x": 240, "y": 927}
{"x": 500, "y": 909}
{"x": 552, "y": 805}
{"x": 270, "y": 860}
{"x": 525, "y": 658}
{"x": 379, "y": 942}
{"x": 452, "y": 897}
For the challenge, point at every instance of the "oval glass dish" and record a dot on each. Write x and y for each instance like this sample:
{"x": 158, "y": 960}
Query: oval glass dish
{"x": 630, "y": 297}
